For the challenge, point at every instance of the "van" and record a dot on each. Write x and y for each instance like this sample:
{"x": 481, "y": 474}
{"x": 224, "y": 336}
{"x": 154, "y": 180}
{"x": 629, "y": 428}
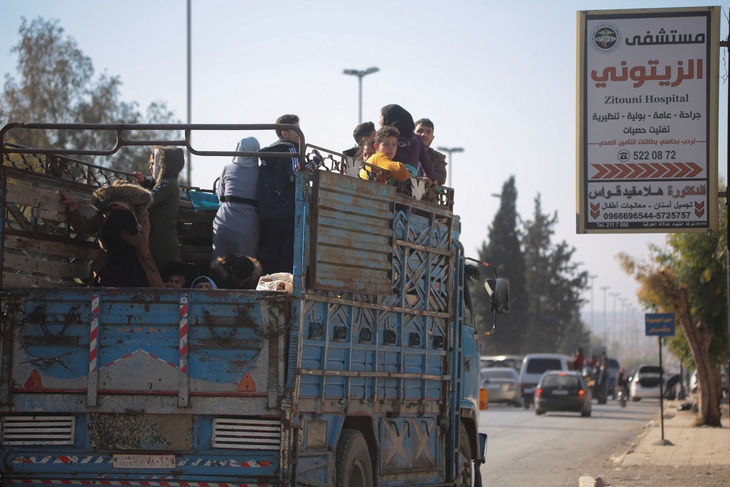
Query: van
{"x": 536, "y": 364}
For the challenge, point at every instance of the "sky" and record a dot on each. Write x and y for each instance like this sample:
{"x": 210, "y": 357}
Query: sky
{"x": 497, "y": 78}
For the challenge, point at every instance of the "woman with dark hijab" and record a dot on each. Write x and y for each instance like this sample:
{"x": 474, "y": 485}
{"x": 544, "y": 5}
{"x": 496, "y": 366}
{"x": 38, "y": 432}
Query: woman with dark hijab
{"x": 411, "y": 149}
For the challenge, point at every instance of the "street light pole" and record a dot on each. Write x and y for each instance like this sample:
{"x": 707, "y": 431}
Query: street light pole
{"x": 360, "y": 73}
{"x": 613, "y": 319}
{"x": 190, "y": 157}
{"x": 624, "y": 305}
{"x": 605, "y": 336}
{"x": 593, "y": 323}
{"x": 449, "y": 151}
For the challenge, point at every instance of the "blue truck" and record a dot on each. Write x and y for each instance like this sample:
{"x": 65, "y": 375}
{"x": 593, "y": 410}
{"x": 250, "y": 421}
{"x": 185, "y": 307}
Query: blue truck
{"x": 365, "y": 374}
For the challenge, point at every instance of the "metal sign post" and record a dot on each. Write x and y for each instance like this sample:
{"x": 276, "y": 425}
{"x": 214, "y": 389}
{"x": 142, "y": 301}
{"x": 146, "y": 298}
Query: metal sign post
{"x": 660, "y": 325}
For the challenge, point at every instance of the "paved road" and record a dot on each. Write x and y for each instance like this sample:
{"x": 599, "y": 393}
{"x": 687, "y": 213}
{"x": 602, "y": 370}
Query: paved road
{"x": 557, "y": 448}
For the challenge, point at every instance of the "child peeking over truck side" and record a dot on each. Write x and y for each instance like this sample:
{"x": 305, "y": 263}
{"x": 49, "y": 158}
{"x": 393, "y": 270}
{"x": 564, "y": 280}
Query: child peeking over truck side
{"x": 386, "y": 144}
{"x": 122, "y": 224}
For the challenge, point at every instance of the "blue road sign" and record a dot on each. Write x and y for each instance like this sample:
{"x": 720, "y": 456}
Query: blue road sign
{"x": 659, "y": 324}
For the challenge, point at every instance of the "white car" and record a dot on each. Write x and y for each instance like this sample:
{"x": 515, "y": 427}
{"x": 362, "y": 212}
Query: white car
{"x": 645, "y": 382}
{"x": 724, "y": 383}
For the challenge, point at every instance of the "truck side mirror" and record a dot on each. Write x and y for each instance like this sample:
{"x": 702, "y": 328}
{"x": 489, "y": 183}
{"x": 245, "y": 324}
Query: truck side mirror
{"x": 498, "y": 291}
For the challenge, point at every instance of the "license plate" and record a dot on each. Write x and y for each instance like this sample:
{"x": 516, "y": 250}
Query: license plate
{"x": 143, "y": 461}
{"x": 560, "y": 393}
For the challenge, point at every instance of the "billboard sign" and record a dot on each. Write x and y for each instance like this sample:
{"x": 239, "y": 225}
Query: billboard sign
{"x": 647, "y": 120}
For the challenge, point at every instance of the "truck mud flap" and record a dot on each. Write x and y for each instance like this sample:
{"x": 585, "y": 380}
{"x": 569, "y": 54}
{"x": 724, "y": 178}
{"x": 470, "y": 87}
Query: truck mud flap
{"x": 480, "y": 460}
{"x": 482, "y": 448}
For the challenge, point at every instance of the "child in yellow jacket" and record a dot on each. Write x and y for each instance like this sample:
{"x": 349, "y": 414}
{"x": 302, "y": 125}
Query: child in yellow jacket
{"x": 386, "y": 144}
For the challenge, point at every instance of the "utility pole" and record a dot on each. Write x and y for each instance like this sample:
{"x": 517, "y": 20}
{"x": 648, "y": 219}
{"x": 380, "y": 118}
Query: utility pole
{"x": 593, "y": 323}
{"x": 622, "y": 321}
{"x": 605, "y": 335}
{"x": 190, "y": 110}
{"x": 613, "y": 316}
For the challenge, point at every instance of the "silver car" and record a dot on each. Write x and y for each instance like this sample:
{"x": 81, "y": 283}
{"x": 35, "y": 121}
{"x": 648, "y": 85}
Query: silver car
{"x": 502, "y": 385}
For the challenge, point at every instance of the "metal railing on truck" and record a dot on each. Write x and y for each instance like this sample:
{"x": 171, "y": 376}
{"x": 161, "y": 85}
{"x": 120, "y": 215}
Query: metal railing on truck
{"x": 39, "y": 247}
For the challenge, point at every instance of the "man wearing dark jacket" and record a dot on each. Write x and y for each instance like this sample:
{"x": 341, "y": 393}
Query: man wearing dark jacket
{"x": 424, "y": 128}
{"x": 276, "y": 196}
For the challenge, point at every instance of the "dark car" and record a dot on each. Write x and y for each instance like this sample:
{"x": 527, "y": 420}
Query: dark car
{"x": 562, "y": 391}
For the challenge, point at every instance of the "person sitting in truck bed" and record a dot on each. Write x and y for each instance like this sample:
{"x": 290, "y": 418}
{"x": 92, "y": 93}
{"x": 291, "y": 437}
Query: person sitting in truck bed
{"x": 425, "y": 129}
{"x": 386, "y": 144}
{"x": 203, "y": 282}
{"x": 364, "y": 135}
{"x": 122, "y": 225}
{"x": 411, "y": 149}
{"x": 174, "y": 274}
{"x": 236, "y": 271}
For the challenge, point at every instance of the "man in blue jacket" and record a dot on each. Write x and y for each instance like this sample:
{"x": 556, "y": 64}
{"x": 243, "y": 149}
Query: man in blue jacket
{"x": 276, "y": 196}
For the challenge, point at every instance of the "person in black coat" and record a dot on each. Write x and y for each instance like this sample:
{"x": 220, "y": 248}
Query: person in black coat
{"x": 276, "y": 195}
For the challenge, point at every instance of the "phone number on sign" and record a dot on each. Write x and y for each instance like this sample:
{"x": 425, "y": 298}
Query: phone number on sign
{"x": 656, "y": 215}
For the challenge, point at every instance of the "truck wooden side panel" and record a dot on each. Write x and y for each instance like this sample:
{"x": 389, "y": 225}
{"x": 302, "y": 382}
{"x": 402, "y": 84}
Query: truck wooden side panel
{"x": 388, "y": 355}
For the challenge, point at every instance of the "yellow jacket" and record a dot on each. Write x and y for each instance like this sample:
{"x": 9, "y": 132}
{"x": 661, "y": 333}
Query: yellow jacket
{"x": 395, "y": 169}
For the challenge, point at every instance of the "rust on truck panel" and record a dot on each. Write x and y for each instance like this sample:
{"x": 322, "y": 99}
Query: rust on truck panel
{"x": 210, "y": 319}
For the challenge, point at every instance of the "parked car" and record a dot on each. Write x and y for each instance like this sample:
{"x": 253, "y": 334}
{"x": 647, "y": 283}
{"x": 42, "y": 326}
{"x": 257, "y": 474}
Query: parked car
{"x": 501, "y": 385}
{"x": 562, "y": 391}
{"x": 533, "y": 366}
{"x": 645, "y": 383}
{"x": 724, "y": 382}
{"x": 514, "y": 361}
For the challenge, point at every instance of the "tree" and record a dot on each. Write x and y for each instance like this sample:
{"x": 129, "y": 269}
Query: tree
{"x": 554, "y": 286}
{"x": 55, "y": 84}
{"x": 689, "y": 279}
{"x": 545, "y": 285}
{"x": 505, "y": 254}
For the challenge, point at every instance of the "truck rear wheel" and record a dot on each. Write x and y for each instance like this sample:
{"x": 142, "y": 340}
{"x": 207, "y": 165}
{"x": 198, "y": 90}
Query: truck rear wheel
{"x": 465, "y": 475}
{"x": 353, "y": 464}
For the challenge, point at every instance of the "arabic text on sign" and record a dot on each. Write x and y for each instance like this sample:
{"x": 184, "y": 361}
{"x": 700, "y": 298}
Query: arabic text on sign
{"x": 662, "y": 38}
{"x": 641, "y": 74}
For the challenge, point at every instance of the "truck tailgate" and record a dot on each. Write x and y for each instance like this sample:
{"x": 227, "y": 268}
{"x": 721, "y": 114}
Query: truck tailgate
{"x": 144, "y": 350}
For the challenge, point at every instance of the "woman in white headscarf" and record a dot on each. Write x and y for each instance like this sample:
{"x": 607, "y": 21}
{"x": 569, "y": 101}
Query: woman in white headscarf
{"x": 236, "y": 224}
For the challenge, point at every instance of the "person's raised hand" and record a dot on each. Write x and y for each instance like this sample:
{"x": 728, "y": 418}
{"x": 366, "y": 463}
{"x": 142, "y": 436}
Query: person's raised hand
{"x": 70, "y": 201}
